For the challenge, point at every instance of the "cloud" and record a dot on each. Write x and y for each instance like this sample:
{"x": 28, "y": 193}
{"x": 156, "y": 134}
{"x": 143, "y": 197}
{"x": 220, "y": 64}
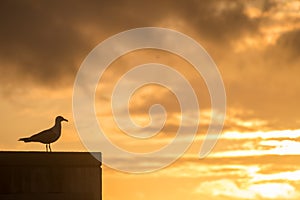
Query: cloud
{"x": 281, "y": 176}
{"x": 220, "y": 21}
{"x": 286, "y": 48}
{"x": 37, "y": 44}
{"x": 43, "y": 44}
{"x": 229, "y": 188}
{"x": 45, "y": 41}
{"x": 274, "y": 191}
{"x": 224, "y": 187}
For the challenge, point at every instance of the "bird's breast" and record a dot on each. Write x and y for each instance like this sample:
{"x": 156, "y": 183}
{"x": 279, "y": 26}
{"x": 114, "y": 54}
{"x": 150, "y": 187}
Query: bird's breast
{"x": 56, "y": 132}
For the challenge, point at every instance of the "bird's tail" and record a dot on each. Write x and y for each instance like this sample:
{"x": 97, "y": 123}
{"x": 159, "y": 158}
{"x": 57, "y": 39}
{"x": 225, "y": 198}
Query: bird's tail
{"x": 25, "y": 139}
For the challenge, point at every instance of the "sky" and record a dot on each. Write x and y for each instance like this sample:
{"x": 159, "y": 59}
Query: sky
{"x": 255, "y": 45}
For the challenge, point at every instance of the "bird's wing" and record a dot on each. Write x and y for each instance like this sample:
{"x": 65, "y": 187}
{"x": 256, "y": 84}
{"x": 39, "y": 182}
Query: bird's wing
{"x": 44, "y": 136}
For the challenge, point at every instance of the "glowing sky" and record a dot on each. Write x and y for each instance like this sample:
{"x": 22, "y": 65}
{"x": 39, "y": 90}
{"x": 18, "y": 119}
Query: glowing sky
{"x": 255, "y": 45}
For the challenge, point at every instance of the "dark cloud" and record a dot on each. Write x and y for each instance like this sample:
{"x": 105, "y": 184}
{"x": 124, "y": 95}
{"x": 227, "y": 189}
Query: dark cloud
{"x": 267, "y": 5}
{"x": 220, "y": 21}
{"x": 43, "y": 41}
{"x": 287, "y": 49}
{"x": 37, "y": 43}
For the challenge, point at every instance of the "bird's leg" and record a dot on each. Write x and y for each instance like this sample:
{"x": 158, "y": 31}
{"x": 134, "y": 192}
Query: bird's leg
{"x": 46, "y": 147}
{"x": 50, "y": 148}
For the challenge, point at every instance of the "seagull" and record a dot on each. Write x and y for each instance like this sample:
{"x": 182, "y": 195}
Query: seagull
{"x": 47, "y": 136}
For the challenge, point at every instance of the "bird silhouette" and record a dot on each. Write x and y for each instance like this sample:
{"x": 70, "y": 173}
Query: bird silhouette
{"x": 47, "y": 136}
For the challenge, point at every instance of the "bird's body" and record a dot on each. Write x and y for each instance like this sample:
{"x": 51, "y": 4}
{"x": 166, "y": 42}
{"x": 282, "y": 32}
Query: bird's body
{"x": 47, "y": 136}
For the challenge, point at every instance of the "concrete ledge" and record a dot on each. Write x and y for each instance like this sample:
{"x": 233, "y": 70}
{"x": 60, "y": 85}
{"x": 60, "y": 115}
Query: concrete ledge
{"x": 56, "y": 175}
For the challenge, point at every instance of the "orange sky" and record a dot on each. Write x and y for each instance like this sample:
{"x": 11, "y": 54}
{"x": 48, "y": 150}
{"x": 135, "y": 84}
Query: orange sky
{"x": 255, "y": 45}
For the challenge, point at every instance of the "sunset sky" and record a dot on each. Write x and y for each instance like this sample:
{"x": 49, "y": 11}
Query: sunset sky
{"x": 254, "y": 43}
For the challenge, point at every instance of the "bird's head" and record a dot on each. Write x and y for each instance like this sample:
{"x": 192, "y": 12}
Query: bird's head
{"x": 60, "y": 118}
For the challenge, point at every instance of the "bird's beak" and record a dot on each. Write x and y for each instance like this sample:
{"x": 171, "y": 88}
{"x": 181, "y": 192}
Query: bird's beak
{"x": 65, "y": 120}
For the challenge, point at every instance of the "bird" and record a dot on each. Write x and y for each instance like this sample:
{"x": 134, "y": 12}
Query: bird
{"x": 47, "y": 136}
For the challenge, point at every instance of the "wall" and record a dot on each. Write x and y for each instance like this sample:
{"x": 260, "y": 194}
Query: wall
{"x": 55, "y": 176}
